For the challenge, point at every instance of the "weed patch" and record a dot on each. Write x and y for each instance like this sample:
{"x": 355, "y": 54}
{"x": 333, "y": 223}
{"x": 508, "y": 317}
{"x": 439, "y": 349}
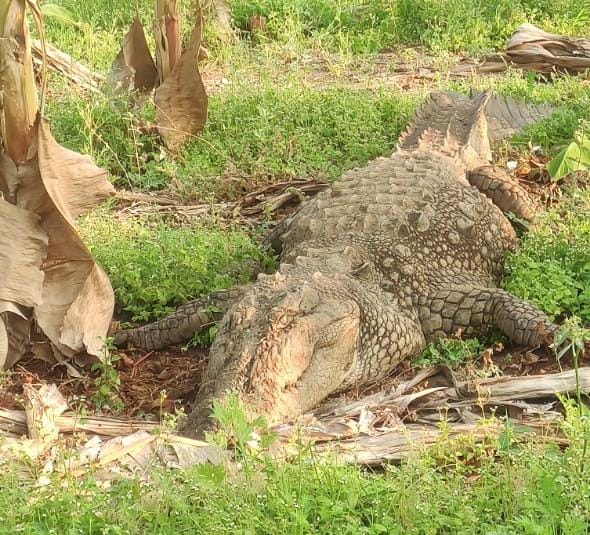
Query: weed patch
{"x": 253, "y": 136}
{"x": 155, "y": 266}
{"x": 461, "y": 485}
{"x": 552, "y": 266}
{"x": 367, "y": 26}
{"x": 450, "y": 351}
{"x": 268, "y": 134}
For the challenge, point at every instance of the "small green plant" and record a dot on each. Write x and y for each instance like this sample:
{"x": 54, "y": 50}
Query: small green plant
{"x": 169, "y": 421}
{"x": 570, "y": 341}
{"x": 55, "y": 12}
{"x": 574, "y": 157}
{"x": 450, "y": 351}
{"x": 103, "y": 127}
{"x": 107, "y": 381}
{"x": 205, "y": 338}
{"x": 236, "y": 429}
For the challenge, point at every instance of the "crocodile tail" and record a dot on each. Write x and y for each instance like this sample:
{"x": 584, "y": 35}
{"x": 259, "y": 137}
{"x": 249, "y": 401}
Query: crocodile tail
{"x": 453, "y": 125}
{"x": 180, "y": 326}
{"x": 465, "y": 126}
{"x": 507, "y": 116}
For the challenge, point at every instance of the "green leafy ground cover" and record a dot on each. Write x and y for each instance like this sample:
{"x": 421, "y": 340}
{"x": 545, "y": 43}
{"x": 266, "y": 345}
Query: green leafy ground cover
{"x": 458, "y": 487}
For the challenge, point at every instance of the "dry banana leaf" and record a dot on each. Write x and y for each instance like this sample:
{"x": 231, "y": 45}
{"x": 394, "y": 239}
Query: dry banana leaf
{"x": 533, "y": 49}
{"x": 398, "y": 445}
{"x": 529, "y": 392}
{"x": 46, "y": 272}
{"x": 181, "y": 101}
{"x": 128, "y": 452}
{"x": 364, "y": 431}
{"x": 42, "y": 408}
{"x": 4, "y": 345}
{"x": 77, "y": 301}
{"x": 19, "y": 99}
{"x": 372, "y": 431}
{"x": 23, "y": 246}
{"x": 134, "y": 68}
{"x": 17, "y": 324}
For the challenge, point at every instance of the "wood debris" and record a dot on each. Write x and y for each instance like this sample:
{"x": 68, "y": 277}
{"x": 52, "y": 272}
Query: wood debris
{"x": 532, "y": 49}
{"x": 265, "y": 200}
{"x": 72, "y": 70}
{"x": 388, "y": 426}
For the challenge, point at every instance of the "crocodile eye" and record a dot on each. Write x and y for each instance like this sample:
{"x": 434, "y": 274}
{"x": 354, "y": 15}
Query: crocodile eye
{"x": 309, "y": 300}
{"x": 362, "y": 271}
{"x": 388, "y": 286}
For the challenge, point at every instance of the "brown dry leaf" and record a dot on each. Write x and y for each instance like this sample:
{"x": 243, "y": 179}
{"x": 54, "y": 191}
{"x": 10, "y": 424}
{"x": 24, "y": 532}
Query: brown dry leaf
{"x": 16, "y": 323}
{"x": 541, "y": 51}
{"x": 23, "y": 246}
{"x": 134, "y": 68}
{"x": 18, "y": 108}
{"x": 166, "y": 37}
{"x": 8, "y": 178}
{"x": 78, "y": 301}
{"x": 532, "y": 49}
{"x": 18, "y": 328}
{"x": 74, "y": 183}
{"x": 3, "y": 343}
{"x": 181, "y": 101}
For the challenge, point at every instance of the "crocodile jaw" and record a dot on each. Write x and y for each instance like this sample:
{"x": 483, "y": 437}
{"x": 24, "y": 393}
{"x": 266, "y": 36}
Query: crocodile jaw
{"x": 283, "y": 349}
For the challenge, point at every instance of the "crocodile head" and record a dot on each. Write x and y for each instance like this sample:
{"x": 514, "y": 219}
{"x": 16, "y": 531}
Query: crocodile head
{"x": 289, "y": 343}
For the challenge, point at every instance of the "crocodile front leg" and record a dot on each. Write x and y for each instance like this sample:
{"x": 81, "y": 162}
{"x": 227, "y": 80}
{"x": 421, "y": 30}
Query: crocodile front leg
{"x": 388, "y": 336}
{"x": 473, "y": 310}
{"x": 180, "y": 326}
{"x": 504, "y": 191}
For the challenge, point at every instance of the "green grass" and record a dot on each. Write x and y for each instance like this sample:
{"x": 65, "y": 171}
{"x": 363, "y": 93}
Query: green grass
{"x": 289, "y": 132}
{"x": 450, "y": 351}
{"x": 353, "y": 26}
{"x": 154, "y": 266}
{"x": 552, "y": 266}
{"x": 253, "y": 136}
{"x": 460, "y": 486}
{"x": 367, "y": 26}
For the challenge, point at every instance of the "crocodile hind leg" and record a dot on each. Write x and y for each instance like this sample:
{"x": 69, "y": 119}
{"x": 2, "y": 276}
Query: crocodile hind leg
{"x": 473, "y": 310}
{"x": 504, "y": 191}
{"x": 180, "y": 326}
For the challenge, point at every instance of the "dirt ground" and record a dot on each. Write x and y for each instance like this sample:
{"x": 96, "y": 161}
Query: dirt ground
{"x": 150, "y": 382}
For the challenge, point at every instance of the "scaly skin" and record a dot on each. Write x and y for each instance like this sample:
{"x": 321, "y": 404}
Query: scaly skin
{"x": 393, "y": 255}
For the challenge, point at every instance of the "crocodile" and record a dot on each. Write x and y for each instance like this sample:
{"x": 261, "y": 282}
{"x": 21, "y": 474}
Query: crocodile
{"x": 392, "y": 256}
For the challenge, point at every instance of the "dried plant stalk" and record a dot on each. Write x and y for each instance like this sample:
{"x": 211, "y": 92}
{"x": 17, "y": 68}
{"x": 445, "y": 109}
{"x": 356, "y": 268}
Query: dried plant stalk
{"x": 167, "y": 37}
